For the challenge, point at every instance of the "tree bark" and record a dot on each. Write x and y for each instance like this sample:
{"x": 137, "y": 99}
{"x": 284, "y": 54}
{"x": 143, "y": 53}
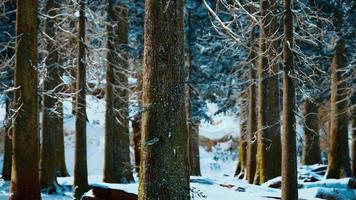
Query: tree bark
{"x": 193, "y": 125}
{"x": 289, "y": 135}
{"x": 109, "y": 167}
{"x": 80, "y": 164}
{"x": 50, "y": 122}
{"x": 268, "y": 121}
{"x": 121, "y": 101}
{"x": 164, "y": 172}
{"x": 311, "y": 145}
{"x": 252, "y": 118}
{"x": 25, "y": 177}
{"x": 60, "y": 153}
{"x": 339, "y": 159}
{"x": 195, "y": 166}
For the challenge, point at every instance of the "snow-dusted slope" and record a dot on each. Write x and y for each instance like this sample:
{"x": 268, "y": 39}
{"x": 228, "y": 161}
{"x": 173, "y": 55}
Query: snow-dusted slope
{"x": 217, "y": 165}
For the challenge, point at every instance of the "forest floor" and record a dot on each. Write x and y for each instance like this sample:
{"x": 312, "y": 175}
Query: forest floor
{"x": 217, "y": 157}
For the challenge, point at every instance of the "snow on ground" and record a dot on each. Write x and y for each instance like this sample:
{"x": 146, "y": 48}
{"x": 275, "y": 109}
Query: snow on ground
{"x": 217, "y": 166}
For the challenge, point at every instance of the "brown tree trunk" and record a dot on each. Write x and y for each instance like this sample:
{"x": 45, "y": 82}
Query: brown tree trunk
{"x": 195, "y": 166}
{"x": 311, "y": 145}
{"x": 136, "y": 124}
{"x": 49, "y": 112}
{"x": 193, "y": 125}
{"x": 289, "y": 134}
{"x": 80, "y": 164}
{"x": 136, "y": 131}
{"x": 109, "y": 161}
{"x": 25, "y": 177}
{"x": 121, "y": 101}
{"x": 268, "y": 121}
{"x": 164, "y": 172}
{"x": 251, "y": 120}
{"x": 60, "y": 153}
{"x": 339, "y": 159}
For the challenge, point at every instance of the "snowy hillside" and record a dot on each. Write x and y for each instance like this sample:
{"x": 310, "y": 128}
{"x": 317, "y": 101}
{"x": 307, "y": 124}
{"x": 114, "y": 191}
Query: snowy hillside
{"x": 217, "y": 166}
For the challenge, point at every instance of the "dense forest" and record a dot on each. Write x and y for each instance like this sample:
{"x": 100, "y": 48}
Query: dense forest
{"x": 178, "y": 99}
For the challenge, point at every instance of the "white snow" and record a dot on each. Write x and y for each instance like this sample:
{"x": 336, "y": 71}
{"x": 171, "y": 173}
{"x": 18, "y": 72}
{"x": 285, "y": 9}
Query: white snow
{"x": 217, "y": 166}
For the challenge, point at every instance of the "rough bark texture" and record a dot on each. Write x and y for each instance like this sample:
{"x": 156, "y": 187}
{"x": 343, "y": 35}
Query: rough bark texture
{"x": 289, "y": 135}
{"x": 193, "y": 125}
{"x": 268, "y": 121}
{"x": 80, "y": 166}
{"x": 252, "y": 116}
{"x": 339, "y": 159}
{"x": 121, "y": 100}
{"x": 311, "y": 145}
{"x": 25, "y": 178}
{"x": 50, "y": 120}
{"x": 164, "y": 172}
{"x": 109, "y": 161}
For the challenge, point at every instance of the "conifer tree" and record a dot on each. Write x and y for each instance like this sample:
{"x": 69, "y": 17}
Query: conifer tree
{"x": 24, "y": 174}
{"x": 164, "y": 172}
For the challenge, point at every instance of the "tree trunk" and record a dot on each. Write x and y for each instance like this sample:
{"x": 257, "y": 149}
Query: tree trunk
{"x": 121, "y": 101}
{"x": 195, "y": 166}
{"x": 136, "y": 123}
{"x": 339, "y": 159}
{"x": 50, "y": 122}
{"x": 25, "y": 177}
{"x": 251, "y": 120}
{"x": 311, "y": 145}
{"x": 268, "y": 121}
{"x": 80, "y": 164}
{"x": 242, "y": 145}
{"x": 60, "y": 153}
{"x": 289, "y": 135}
{"x": 164, "y": 172}
{"x": 109, "y": 167}
{"x": 193, "y": 125}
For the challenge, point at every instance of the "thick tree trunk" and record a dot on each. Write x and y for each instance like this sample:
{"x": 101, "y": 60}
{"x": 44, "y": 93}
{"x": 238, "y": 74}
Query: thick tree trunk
{"x": 109, "y": 161}
{"x": 49, "y": 116}
{"x": 339, "y": 159}
{"x": 311, "y": 145}
{"x": 25, "y": 177}
{"x": 251, "y": 120}
{"x": 164, "y": 172}
{"x": 80, "y": 166}
{"x": 193, "y": 125}
{"x": 121, "y": 101}
{"x": 269, "y": 141}
{"x": 289, "y": 135}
